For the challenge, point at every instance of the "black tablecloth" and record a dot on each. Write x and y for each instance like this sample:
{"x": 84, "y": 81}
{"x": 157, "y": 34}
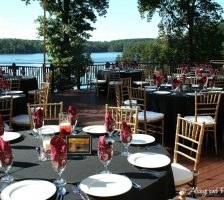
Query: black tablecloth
{"x": 135, "y": 75}
{"x": 19, "y": 104}
{"x": 180, "y": 103}
{"x": 28, "y": 83}
{"x": 27, "y": 166}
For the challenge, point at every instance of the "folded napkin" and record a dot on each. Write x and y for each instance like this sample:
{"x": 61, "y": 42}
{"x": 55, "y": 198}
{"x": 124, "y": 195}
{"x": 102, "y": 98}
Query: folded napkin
{"x": 1, "y": 126}
{"x": 38, "y": 118}
{"x": 5, "y": 152}
{"x": 126, "y": 134}
{"x": 105, "y": 148}
{"x": 4, "y": 84}
{"x": 175, "y": 83}
{"x": 73, "y": 112}
{"x": 58, "y": 150}
{"x": 109, "y": 122}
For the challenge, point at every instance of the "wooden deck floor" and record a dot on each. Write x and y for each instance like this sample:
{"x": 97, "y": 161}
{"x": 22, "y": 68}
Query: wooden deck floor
{"x": 91, "y": 111}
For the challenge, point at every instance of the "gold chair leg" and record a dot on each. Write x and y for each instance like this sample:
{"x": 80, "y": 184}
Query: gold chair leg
{"x": 215, "y": 140}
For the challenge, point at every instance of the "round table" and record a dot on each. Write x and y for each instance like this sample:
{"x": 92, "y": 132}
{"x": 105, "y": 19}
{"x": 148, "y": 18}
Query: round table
{"x": 19, "y": 104}
{"x": 135, "y": 75}
{"x": 28, "y": 167}
{"x": 180, "y": 103}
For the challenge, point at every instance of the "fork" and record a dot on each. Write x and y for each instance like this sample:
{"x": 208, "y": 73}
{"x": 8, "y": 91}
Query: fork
{"x": 154, "y": 173}
{"x": 76, "y": 190}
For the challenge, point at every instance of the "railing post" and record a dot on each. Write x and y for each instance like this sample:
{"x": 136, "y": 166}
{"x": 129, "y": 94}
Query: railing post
{"x": 52, "y": 78}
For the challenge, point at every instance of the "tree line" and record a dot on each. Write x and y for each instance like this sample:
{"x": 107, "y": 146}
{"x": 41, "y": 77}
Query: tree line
{"x": 20, "y": 46}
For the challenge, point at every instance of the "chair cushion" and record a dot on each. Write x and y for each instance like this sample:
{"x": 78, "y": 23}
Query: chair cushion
{"x": 21, "y": 120}
{"x": 101, "y": 81}
{"x": 32, "y": 92}
{"x": 207, "y": 119}
{"x": 150, "y": 116}
{"x": 181, "y": 174}
{"x": 115, "y": 82}
{"x": 140, "y": 82}
{"x": 127, "y": 102}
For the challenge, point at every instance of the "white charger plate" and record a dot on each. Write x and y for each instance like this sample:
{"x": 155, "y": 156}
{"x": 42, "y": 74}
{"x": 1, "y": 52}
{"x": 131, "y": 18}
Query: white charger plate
{"x": 10, "y": 136}
{"x": 161, "y": 92}
{"x": 149, "y": 160}
{"x": 215, "y": 88}
{"x": 95, "y": 129}
{"x": 106, "y": 185}
{"x": 29, "y": 189}
{"x": 54, "y": 127}
{"x": 15, "y": 92}
{"x": 138, "y": 139}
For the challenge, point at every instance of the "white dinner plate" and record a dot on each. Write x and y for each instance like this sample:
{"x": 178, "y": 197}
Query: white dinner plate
{"x": 95, "y": 129}
{"x": 29, "y": 189}
{"x": 15, "y": 92}
{"x": 149, "y": 160}
{"x": 10, "y": 136}
{"x": 161, "y": 92}
{"x": 215, "y": 88}
{"x": 54, "y": 127}
{"x": 106, "y": 185}
{"x": 138, "y": 139}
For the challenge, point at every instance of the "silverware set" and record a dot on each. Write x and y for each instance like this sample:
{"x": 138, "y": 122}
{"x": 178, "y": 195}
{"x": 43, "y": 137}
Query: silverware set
{"x": 76, "y": 190}
{"x": 61, "y": 193}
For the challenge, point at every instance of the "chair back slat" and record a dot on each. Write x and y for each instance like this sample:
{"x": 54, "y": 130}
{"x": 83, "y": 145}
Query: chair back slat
{"x": 6, "y": 105}
{"x": 124, "y": 115}
{"x": 188, "y": 141}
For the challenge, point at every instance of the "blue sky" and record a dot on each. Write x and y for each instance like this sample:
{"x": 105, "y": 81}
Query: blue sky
{"x": 122, "y": 21}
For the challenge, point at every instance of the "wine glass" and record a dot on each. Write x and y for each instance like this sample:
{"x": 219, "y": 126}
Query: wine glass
{"x": 58, "y": 162}
{"x": 6, "y": 163}
{"x": 64, "y": 125}
{"x": 73, "y": 120}
{"x": 126, "y": 141}
{"x": 105, "y": 153}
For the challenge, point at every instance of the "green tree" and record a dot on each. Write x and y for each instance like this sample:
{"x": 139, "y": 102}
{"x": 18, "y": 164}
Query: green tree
{"x": 190, "y": 22}
{"x": 68, "y": 24}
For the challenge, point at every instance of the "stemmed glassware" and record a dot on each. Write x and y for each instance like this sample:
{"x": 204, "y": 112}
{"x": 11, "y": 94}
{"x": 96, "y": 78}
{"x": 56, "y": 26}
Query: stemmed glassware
{"x": 73, "y": 120}
{"x": 6, "y": 163}
{"x": 105, "y": 154}
{"x": 126, "y": 140}
{"x": 59, "y": 162}
{"x": 64, "y": 125}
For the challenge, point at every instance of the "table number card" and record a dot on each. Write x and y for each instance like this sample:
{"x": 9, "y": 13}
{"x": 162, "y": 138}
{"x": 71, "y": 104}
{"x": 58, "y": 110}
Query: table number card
{"x": 79, "y": 145}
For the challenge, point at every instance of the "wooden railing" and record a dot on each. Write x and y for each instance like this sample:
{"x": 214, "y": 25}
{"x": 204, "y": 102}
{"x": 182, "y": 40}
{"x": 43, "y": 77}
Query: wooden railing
{"x": 91, "y": 71}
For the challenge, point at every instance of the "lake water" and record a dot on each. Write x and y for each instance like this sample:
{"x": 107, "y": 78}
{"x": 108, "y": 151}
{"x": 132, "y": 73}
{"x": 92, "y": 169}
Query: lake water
{"x": 37, "y": 59}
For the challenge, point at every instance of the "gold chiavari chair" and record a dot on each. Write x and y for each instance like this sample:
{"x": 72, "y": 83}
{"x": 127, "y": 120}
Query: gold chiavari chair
{"x": 33, "y": 95}
{"x": 124, "y": 115}
{"x": 113, "y": 80}
{"x": 206, "y": 110}
{"x": 188, "y": 146}
{"x": 50, "y": 110}
{"x": 153, "y": 122}
{"x": 14, "y": 84}
{"x": 6, "y": 105}
{"x": 146, "y": 78}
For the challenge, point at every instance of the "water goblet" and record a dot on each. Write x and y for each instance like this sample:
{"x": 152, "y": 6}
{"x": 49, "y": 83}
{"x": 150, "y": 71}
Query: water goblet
{"x": 6, "y": 163}
{"x": 126, "y": 141}
{"x": 64, "y": 125}
{"x": 73, "y": 120}
{"x": 59, "y": 162}
{"x": 105, "y": 154}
